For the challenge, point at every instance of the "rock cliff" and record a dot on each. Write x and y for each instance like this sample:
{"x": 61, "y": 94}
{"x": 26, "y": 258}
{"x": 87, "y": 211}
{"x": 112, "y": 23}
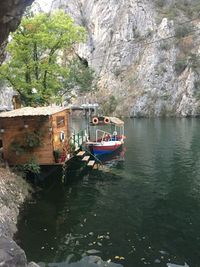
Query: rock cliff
{"x": 145, "y": 53}
{"x": 10, "y": 15}
{"x": 13, "y": 191}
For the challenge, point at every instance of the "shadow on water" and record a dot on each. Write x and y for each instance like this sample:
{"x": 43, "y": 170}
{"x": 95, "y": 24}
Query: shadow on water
{"x": 144, "y": 211}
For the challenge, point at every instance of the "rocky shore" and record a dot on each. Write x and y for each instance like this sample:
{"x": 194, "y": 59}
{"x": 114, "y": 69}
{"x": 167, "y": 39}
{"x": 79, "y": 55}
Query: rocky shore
{"x": 13, "y": 192}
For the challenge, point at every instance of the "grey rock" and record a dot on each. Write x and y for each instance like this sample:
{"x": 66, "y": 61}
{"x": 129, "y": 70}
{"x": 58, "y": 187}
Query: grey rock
{"x": 13, "y": 191}
{"x": 124, "y": 47}
{"x": 93, "y": 251}
{"x": 33, "y": 264}
{"x": 11, "y": 255}
{"x": 10, "y": 15}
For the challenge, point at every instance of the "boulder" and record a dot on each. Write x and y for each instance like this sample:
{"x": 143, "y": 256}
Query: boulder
{"x": 11, "y": 255}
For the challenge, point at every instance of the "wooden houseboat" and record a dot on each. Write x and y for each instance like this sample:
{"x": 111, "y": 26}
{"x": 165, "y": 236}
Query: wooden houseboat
{"x": 35, "y": 134}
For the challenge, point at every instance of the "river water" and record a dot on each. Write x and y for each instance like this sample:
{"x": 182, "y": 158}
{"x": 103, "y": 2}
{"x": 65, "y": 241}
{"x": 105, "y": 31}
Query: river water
{"x": 143, "y": 210}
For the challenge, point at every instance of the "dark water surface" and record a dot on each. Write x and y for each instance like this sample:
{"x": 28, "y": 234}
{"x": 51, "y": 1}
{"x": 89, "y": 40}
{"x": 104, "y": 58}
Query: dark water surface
{"x": 145, "y": 210}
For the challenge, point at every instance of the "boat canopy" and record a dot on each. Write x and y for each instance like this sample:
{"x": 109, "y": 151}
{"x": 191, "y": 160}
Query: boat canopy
{"x": 116, "y": 121}
{"x": 103, "y": 120}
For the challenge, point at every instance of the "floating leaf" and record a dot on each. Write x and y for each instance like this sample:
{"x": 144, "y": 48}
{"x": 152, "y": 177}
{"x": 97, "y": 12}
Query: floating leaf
{"x": 91, "y": 233}
{"x": 93, "y": 251}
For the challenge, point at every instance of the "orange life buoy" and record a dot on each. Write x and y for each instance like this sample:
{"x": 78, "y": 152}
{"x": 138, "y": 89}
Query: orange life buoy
{"x": 95, "y": 120}
{"x": 106, "y": 120}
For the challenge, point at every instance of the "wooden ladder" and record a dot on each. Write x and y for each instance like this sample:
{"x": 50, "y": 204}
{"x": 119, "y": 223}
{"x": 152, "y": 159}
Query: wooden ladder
{"x": 91, "y": 163}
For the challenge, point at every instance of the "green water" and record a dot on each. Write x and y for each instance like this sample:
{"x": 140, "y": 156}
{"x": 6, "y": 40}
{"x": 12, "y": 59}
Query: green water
{"x": 146, "y": 209}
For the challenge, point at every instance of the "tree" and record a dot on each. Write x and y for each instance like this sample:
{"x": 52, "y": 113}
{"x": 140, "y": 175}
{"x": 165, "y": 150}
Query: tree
{"x": 34, "y": 66}
{"x": 80, "y": 79}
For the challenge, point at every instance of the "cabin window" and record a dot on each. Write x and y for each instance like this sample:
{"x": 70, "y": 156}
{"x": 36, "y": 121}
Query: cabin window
{"x": 60, "y": 121}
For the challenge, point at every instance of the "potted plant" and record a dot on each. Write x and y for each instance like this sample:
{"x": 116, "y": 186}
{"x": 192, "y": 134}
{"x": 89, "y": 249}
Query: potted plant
{"x": 57, "y": 155}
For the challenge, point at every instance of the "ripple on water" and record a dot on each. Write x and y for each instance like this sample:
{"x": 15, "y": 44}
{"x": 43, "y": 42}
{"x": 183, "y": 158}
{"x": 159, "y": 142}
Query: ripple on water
{"x": 143, "y": 211}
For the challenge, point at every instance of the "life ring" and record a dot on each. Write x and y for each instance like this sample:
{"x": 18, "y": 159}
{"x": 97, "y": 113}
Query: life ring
{"x": 95, "y": 120}
{"x": 106, "y": 120}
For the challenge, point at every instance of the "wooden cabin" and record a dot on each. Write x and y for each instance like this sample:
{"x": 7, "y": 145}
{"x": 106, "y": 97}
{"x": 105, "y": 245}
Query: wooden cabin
{"x": 35, "y": 134}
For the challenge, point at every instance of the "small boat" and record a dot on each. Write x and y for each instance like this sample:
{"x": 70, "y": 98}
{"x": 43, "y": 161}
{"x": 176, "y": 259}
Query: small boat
{"x": 106, "y": 142}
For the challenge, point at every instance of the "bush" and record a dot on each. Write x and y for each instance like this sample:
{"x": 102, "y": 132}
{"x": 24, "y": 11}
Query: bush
{"x": 110, "y": 106}
{"x": 160, "y": 3}
{"x": 165, "y": 46}
{"x": 180, "y": 66}
{"x": 30, "y": 167}
{"x": 194, "y": 62}
{"x": 197, "y": 89}
{"x": 182, "y": 30}
{"x": 57, "y": 155}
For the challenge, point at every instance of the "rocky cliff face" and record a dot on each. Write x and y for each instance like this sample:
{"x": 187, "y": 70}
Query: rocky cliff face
{"x": 145, "y": 54}
{"x": 13, "y": 191}
{"x": 10, "y": 16}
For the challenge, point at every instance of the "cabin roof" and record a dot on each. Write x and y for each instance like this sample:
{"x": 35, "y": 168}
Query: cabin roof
{"x": 31, "y": 111}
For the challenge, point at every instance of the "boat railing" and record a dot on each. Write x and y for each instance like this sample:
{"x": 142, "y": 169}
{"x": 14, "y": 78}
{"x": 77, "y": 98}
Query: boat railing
{"x": 104, "y": 135}
{"x": 78, "y": 139}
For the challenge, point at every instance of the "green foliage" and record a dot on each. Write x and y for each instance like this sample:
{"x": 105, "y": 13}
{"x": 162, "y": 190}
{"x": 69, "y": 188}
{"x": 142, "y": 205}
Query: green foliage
{"x": 194, "y": 62}
{"x": 197, "y": 89}
{"x": 32, "y": 140}
{"x": 57, "y": 154}
{"x": 180, "y": 66}
{"x": 34, "y": 69}
{"x": 176, "y": 8}
{"x": 17, "y": 147}
{"x": 72, "y": 147}
{"x": 31, "y": 166}
{"x": 80, "y": 77}
{"x": 182, "y": 30}
{"x": 160, "y": 3}
{"x": 164, "y": 45}
{"x": 109, "y": 106}
{"x": 117, "y": 72}
{"x": 26, "y": 143}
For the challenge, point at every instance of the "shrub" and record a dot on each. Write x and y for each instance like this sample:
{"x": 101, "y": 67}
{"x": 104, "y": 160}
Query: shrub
{"x": 180, "y": 66}
{"x": 160, "y": 3}
{"x": 110, "y": 106}
{"x": 57, "y": 155}
{"x": 197, "y": 89}
{"x": 30, "y": 167}
{"x": 165, "y": 46}
{"x": 182, "y": 30}
{"x": 194, "y": 62}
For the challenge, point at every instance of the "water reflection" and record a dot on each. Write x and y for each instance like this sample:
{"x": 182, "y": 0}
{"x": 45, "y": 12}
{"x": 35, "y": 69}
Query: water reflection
{"x": 145, "y": 210}
{"x": 115, "y": 159}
